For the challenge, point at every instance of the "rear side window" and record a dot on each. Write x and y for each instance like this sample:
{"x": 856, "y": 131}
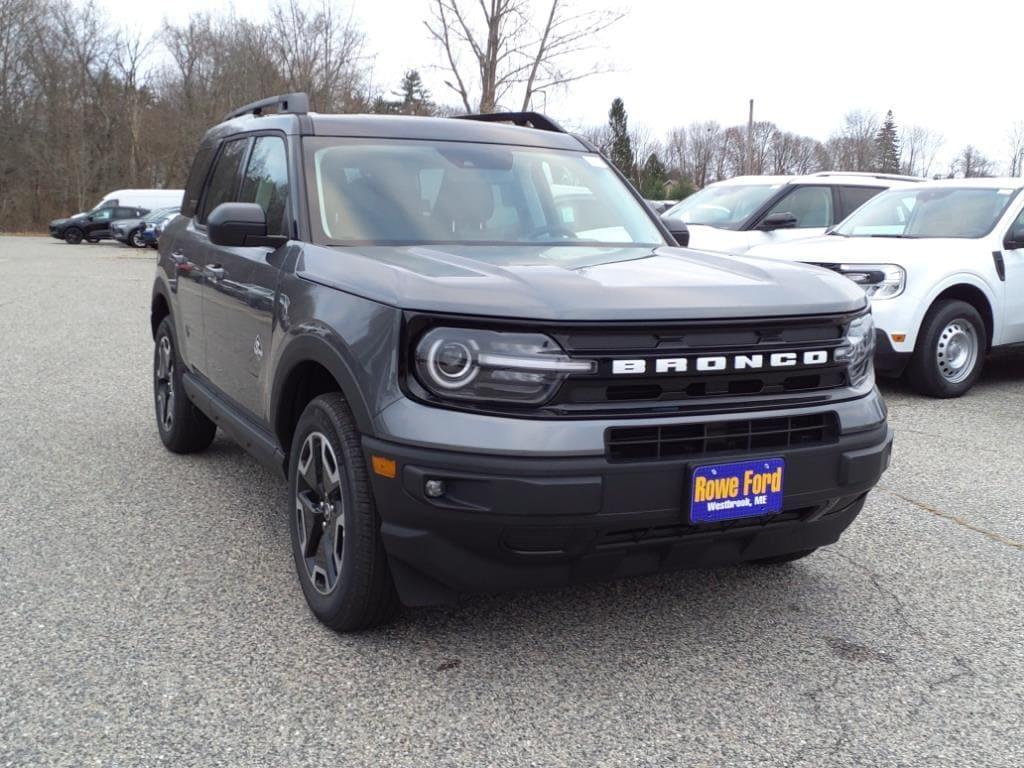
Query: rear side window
{"x": 223, "y": 187}
{"x": 852, "y": 198}
{"x": 266, "y": 182}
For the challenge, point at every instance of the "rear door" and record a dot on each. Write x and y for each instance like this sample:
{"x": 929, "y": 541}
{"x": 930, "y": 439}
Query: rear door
{"x": 241, "y": 289}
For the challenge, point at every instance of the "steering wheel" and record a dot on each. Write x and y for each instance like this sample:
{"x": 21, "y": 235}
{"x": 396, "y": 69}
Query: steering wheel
{"x": 552, "y": 229}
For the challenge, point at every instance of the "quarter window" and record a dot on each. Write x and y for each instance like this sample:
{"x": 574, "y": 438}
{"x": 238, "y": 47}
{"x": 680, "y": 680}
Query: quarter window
{"x": 266, "y": 182}
{"x": 812, "y": 206}
{"x": 223, "y": 186}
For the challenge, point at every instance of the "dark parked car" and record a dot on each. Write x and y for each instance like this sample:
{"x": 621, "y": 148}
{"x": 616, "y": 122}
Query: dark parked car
{"x": 153, "y": 229}
{"x": 482, "y": 362}
{"x": 92, "y": 226}
{"x": 129, "y": 231}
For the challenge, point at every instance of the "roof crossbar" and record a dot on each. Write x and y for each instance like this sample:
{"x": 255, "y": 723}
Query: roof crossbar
{"x": 522, "y": 119}
{"x": 288, "y": 103}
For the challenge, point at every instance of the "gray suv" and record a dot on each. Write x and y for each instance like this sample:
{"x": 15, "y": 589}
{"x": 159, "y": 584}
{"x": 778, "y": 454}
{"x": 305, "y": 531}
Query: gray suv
{"x": 483, "y": 363}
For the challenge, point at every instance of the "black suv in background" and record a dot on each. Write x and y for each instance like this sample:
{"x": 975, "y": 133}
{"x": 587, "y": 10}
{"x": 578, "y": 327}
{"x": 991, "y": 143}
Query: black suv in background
{"x": 482, "y": 362}
{"x": 94, "y": 225}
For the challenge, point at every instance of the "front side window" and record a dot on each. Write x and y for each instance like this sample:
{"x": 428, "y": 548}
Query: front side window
{"x": 104, "y": 214}
{"x": 409, "y": 192}
{"x": 726, "y": 206}
{"x": 223, "y": 186}
{"x": 812, "y": 206}
{"x": 266, "y": 182}
{"x": 958, "y": 212}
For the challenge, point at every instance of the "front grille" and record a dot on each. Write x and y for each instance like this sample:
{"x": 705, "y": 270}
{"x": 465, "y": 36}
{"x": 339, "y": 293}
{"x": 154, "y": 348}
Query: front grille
{"x": 695, "y": 389}
{"x": 679, "y": 441}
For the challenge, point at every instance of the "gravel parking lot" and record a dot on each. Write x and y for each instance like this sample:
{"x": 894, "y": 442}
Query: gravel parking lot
{"x": 150, "y": 615}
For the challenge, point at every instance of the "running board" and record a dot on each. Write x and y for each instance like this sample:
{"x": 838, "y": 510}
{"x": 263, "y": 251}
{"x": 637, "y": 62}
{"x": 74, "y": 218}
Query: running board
{"x": 259, "y": 443}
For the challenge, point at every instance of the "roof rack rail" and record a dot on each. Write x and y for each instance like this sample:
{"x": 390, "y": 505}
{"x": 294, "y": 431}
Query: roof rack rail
{"x": 522, "y": 119}
{"x": 288, "y": 103}
{"x": 870, "y": 175}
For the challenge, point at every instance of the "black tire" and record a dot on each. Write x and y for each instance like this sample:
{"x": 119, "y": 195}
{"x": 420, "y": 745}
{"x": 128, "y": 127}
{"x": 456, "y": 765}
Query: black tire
{"x": 787, "y": 558}
{"x": 949, "y": 325}
{"x": 135, "y": 239}
{"x": 335, "y": 528}
{"x": 73, "y": 235}
{"x": 183, "y": 428}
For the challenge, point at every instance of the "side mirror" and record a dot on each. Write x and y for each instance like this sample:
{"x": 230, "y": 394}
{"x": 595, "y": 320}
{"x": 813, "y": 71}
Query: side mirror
{"x": 781, "y": 220}
{"x": 240, "y": 225}
{"x": 678, "y": 229}
{"x": 1015, "y": 239}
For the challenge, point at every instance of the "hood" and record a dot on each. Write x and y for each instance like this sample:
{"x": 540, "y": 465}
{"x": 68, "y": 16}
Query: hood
{"x": 835, "y": 249}
{"x": 578, "y": 283}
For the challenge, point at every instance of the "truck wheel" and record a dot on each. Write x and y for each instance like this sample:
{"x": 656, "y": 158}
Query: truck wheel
{"x": 950, "y": 350}
{"x": 787, "y": 558}
{"x": 135, "y": 239}
{"x": 335, "y": 528}
{"x": 183, "y": 427}
{"x": 73, "y": 236}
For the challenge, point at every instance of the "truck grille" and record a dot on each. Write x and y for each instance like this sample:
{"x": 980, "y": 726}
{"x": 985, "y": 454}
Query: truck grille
{"x": 693, "y": 389}
{"x": 679, "y": 441}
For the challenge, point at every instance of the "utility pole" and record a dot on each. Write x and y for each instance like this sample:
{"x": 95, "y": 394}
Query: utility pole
{"x": 750, "y": 140}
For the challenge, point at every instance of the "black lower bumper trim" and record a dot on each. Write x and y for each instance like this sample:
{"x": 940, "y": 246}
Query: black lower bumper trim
{"x": 889, "y": 362}
{"x": 509, "y": 523}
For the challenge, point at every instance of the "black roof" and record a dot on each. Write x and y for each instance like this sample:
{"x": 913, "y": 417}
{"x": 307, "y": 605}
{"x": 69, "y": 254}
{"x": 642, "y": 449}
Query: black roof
{"x": 398, "y": 127}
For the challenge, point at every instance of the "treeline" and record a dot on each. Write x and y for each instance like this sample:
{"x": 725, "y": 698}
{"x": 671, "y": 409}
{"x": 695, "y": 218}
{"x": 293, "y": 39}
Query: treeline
{"x": 87, "y": 107}
{"x": 692, "y": 156}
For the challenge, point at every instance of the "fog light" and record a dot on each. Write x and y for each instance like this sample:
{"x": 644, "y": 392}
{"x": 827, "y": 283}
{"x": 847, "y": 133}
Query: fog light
{"x": 434, "y": 489}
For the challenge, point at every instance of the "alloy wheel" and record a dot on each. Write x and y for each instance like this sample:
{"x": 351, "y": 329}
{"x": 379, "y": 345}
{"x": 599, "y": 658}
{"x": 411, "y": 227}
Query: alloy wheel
{"x": 320, "y": 512}
{"x": 137, "y": 240}
{"x": 165, "y": 383}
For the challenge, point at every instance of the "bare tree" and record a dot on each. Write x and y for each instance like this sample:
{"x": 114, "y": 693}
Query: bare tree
{"x": 507, "y": 53}
{"x": 971, "y": 163}
{"x": 1017, "y": 149}
{"x": 919, "y": 146}
{"x": 853, "y": 147}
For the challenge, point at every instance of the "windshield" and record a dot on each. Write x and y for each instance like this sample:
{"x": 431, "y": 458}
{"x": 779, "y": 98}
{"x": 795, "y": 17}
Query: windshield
{"x": 967, "y": 212}
{"x": 154, "y": 216}
{"x": 726, "y": 206}
{"x": 413, "y": 192}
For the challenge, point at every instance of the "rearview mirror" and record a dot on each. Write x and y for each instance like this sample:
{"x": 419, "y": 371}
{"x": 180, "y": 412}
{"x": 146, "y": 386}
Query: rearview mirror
{"x": 678, "y": 229}
{"x": 781, "y": 220}
{"x": 240, "y": 225}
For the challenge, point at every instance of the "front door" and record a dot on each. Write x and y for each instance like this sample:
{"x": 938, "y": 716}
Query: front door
{"x": 242, "y": 285}
{"x": 1013, "y": 302}
{"x": 98, "y": 224}
{"x": 813, "y": 207}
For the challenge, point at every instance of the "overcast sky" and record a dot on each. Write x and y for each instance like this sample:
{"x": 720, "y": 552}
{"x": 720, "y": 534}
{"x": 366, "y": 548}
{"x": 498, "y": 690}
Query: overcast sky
{"x": 953, "y": 66}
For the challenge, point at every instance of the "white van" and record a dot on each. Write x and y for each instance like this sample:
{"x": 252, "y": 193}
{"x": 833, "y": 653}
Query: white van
{"x": 151, "y": 199}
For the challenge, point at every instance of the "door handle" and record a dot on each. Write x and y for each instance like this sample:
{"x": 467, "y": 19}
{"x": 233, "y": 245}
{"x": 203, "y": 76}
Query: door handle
{"x": 215, "y": 271}
{"x": 178, "y": 258}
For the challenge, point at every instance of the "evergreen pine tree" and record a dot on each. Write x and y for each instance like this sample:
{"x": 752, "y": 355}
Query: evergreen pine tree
{"x": 412, "y": 90}
{"x": 888, "y": 142}
{"x": 621, "y": 153}
{"x": 653, "y": 178}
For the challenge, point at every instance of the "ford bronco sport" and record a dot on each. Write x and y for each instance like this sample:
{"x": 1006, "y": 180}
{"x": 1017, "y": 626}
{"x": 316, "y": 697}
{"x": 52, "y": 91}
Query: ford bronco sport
{"x": 482, "y": 363}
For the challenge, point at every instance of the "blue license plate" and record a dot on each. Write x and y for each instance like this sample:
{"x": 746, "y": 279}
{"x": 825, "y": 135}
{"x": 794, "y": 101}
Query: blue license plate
{"x": 741, "y": 489}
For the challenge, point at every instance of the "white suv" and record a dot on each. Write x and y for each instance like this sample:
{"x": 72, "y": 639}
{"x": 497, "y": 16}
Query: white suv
{"x": 943, "y": 264}
{"x": 741, "y": 213}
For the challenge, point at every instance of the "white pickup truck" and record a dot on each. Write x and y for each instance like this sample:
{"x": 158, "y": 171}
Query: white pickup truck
{"x": 943, "y": 264}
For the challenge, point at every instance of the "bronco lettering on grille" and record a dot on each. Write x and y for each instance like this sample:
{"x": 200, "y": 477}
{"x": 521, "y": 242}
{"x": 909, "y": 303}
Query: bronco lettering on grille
{"x": 713, "y": 363}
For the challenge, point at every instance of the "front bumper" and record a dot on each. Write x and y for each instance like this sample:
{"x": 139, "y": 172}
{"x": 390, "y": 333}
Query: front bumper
{"x": 512, "y": 522}
{"x": 889, "y": 362}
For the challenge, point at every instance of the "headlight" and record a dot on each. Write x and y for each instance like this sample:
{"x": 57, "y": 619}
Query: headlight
{"x": 472, "y": 365}
{"x": 858, "y": 349}
{"x": 879, "y": 281}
